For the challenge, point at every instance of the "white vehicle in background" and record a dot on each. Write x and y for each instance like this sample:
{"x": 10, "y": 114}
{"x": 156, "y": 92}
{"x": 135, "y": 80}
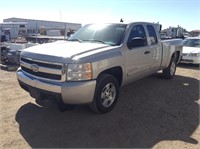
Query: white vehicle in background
{"x": 191, "y": 50}
{"x": 186, "y": 35}
{"x": 163, "y": 35}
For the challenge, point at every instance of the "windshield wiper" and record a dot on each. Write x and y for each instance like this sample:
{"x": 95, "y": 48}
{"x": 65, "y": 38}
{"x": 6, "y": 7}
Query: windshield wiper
{"x": 75, "y": 39}
{"x": 89, "y": 40}
{"x": 95, "y": 40}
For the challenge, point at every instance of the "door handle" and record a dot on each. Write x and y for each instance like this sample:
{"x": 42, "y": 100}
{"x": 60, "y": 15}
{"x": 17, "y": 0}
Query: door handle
{"x": 147, "y": 52}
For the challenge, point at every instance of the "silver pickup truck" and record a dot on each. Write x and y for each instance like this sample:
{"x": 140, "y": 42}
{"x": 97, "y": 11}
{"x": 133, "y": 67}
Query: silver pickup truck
{"x": 92, "y": 65}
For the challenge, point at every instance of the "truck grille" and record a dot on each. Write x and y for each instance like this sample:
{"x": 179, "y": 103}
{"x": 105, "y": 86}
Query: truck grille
{"x": 42, "y": 64}
{"x": 42, "y": 69}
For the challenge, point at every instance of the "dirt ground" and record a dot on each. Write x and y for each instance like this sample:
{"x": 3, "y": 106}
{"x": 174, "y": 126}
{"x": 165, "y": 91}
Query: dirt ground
{"x": 151, "y": 113}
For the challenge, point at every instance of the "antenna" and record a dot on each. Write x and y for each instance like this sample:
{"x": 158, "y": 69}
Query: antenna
{"x": 60, "y": 16}
{"x": 121, "y": 20}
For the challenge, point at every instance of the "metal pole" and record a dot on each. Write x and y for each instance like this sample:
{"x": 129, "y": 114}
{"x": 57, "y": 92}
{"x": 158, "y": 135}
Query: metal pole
{"x": 65, "y": 31}
{"x": 36, "y": 31}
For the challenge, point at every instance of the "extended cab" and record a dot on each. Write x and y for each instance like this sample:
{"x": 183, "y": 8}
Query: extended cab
{"x": 95, "y": 62}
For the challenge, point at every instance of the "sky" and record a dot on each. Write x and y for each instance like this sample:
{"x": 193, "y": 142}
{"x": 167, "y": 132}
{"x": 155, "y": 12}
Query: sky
{"x": 185, "y": 13}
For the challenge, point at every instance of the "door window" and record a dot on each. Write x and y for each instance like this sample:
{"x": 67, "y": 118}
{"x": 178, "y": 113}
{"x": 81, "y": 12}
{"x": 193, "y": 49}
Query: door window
{"x": 137, "y": 37}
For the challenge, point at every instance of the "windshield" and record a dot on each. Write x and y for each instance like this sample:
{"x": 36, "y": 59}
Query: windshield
{"x": 191, "y": 43}
{"x": 111, "y": 34}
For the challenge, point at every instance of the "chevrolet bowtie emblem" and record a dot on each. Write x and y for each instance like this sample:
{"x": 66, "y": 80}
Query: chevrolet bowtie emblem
{"x": 34, "y": 68}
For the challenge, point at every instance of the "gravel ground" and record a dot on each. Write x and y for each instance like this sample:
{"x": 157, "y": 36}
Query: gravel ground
{"x": 151, "y": 113}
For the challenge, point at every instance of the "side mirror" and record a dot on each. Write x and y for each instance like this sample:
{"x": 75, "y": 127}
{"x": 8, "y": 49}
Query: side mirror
{"x": 136, "y": 42}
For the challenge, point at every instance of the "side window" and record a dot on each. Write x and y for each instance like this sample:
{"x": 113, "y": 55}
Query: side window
{"x": 137, "y": 37}
{"x": 152, "y": 34}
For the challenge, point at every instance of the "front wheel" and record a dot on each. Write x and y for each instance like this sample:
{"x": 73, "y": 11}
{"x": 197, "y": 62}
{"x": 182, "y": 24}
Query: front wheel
{"x": 169, "y": 72}
{"x": 106, "y": 94}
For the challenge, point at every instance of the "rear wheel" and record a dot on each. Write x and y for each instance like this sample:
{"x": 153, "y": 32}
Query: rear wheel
{"x": 169, "y": 72}
{"x": 106, "y": 94}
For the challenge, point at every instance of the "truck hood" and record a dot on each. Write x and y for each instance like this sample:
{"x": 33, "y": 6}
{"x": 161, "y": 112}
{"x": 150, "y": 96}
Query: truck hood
{"x": 65, "y": 49}
{"x": 191, "y": 50}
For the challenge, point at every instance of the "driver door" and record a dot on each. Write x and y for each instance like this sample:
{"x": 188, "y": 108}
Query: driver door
{"x": 137, "y": 54}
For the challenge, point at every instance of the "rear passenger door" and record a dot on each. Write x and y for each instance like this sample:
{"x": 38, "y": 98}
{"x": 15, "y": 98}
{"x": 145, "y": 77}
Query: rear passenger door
{"x": 137, "y": 55}
{"x": 155, "y": 48}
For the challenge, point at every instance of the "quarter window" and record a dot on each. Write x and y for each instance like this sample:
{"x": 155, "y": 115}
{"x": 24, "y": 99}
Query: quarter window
{"x": 152, "y": 34}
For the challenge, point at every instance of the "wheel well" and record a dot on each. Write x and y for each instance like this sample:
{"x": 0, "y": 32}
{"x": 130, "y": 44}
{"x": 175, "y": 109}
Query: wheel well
{"x": 116, "y": 72}
{"x": 177, "y": 53}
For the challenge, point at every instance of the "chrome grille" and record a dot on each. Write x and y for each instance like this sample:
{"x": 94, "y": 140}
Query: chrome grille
{"x": 42, "y": 69}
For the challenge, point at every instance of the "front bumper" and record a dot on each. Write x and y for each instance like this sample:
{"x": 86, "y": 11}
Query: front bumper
{"x": 69, "y": 92}
{"x": 190, "y": 59}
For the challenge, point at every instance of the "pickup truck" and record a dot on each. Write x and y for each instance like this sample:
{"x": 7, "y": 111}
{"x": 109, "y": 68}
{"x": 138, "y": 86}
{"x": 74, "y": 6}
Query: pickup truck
{"x": 92, "y": 65}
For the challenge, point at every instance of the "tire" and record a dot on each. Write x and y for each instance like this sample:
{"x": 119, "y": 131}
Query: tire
{"x": 106, "y": 94}
{"x": 169, "y": 72}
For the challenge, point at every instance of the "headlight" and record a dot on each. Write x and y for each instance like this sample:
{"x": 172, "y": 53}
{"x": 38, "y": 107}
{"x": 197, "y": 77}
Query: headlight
{"x": 78, "y": 72}
{"x": 194, "y": 54}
